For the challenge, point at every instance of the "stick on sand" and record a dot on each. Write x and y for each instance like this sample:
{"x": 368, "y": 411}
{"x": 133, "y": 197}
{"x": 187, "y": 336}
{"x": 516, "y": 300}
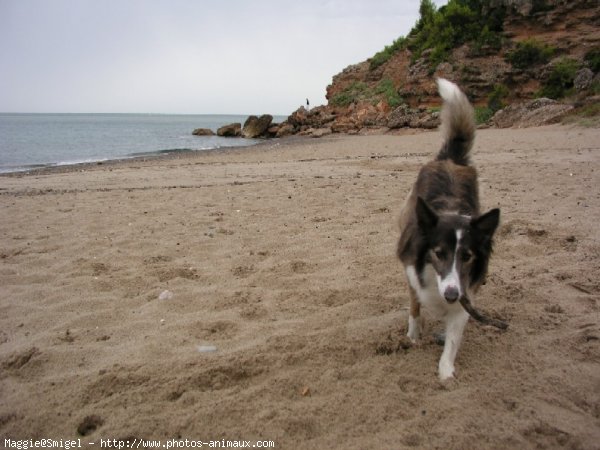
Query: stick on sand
{"x": 466, "y": 303}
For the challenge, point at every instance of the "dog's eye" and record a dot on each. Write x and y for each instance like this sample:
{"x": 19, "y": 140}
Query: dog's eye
{"x": 466, "y": 255}
{"x": 439, "y": 253}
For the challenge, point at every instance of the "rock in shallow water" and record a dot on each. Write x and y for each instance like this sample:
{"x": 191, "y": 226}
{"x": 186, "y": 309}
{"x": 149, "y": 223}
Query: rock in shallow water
{"x": 231, "y": 130}
{"x": 203, "y": 132}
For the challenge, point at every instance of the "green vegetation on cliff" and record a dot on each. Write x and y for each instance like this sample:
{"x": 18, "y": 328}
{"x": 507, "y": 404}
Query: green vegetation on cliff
{"x": 530, "y": 52}
{"x": 384, "y": 55}
{"x": 592, "y": 58}
{"x": 361, "y": 92}
{"x": 458, "y": 22}
{"x": 438, "y": 31}
{"x": 560, "y": 81}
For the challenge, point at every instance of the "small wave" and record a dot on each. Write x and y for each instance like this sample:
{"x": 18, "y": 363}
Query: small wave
{"x": 78, "y": 161}
{"x": 29, "y": 167}
{"x": 211, "y": 146}
{"x": 165, "y": 151}
{"x": 22, "y": 168}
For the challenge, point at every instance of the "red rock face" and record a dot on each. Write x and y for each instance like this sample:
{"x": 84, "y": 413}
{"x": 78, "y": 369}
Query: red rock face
{"x": 355, "y": 100}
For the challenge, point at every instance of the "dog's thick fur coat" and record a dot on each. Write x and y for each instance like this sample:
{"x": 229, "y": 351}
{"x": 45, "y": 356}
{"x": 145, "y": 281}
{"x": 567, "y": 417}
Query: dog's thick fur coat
{"x": 445, "y": 243}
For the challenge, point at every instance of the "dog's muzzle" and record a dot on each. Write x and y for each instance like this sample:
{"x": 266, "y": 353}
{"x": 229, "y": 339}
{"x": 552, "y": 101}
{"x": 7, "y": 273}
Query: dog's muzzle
{"x": 451, "y": 294}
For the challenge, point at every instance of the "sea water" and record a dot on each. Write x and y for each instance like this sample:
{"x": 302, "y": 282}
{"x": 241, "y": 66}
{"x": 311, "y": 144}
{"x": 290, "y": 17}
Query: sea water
{"x": 37, "y": 140}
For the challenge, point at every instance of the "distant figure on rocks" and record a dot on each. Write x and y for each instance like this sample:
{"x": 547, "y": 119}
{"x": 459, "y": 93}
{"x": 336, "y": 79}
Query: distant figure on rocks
{"x": 307, "y": 104}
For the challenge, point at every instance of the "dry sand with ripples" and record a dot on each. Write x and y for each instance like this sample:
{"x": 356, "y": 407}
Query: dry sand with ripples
{"x": 282, "y": 257}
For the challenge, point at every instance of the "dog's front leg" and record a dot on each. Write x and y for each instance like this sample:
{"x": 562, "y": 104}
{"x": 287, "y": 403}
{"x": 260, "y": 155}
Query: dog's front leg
{"x": 414, "y": 319}
{"x": 455, "y": 325}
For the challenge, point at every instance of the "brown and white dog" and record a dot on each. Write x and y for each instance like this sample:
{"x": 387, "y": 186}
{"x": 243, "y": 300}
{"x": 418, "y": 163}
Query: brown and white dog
{"x": 445, "y": 242}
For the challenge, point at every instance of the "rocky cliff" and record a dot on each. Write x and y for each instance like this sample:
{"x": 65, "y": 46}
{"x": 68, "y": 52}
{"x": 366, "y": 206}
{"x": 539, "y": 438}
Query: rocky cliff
{"x": 501, "y": 52}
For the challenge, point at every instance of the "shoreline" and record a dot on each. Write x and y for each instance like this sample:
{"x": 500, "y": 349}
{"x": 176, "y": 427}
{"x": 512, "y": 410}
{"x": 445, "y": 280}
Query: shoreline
{"x": 166, "y": 155}
{"x": 51, "y": 168}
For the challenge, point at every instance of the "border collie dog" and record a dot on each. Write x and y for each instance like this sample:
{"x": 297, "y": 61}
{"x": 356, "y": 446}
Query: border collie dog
{"x": 445, "y": 241}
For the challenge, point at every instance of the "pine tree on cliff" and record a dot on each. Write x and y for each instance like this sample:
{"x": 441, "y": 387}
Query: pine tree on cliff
{"x": 426, "y": 14}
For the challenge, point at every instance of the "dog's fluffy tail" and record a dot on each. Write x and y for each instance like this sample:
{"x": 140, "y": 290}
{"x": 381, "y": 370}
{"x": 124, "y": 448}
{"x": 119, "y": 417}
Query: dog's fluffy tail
{"x": 458, "y": 123}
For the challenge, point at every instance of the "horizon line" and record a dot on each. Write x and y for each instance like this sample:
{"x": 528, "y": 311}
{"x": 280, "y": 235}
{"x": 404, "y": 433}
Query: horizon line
{"x": 140, "y": 113}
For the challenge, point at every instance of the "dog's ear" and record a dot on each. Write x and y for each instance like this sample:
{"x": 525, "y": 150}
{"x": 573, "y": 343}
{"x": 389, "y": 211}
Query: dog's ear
{"x": 425, "y": 216}
{"x": 487, "y": 223}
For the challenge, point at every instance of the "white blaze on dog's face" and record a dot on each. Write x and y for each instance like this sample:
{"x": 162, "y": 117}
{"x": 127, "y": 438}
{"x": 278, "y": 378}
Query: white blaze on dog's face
{"x": 452, "y": 266}
{"x": 455, "y": 247}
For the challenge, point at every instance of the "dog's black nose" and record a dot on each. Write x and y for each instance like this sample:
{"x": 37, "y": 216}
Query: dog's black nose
{"x": 451, "y": 294}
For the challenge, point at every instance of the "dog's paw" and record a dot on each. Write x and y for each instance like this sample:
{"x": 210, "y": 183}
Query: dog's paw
{"x": 449, "y": 384}
{"x": 413, "y": 337}
{"x": 446, "y": 371}
{"x": 414, "y": 329}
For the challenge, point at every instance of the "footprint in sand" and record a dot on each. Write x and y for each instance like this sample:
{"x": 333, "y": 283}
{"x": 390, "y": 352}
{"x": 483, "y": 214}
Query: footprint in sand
{"x": 89, "y": 424}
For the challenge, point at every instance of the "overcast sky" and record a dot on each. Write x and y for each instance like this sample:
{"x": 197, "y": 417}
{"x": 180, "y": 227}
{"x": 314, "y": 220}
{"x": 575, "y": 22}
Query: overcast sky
{"x": 186, "y": 56}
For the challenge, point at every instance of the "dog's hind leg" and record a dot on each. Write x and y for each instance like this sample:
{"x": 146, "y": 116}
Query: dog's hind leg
{"x": 414, "y": 319}
{"x": 455, "y": 325}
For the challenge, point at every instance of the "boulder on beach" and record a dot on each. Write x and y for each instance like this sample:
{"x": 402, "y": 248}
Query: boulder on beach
{"x": 316, "y": 132}
{"x": 532, "y": 113}
{"x": 231, "y": 130}
{"x": 298, "y": 117}
{"x": 285, "y": 129}
{"x": 256, "y": 126}
{"x": 272, "y": 130}
{"x": 203, "y": 132}
{"x": 401, "y": 117}
{"x": 583, "y": 79}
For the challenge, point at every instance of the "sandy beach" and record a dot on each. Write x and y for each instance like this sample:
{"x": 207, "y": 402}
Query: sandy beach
{"x": 254, "y": 294}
